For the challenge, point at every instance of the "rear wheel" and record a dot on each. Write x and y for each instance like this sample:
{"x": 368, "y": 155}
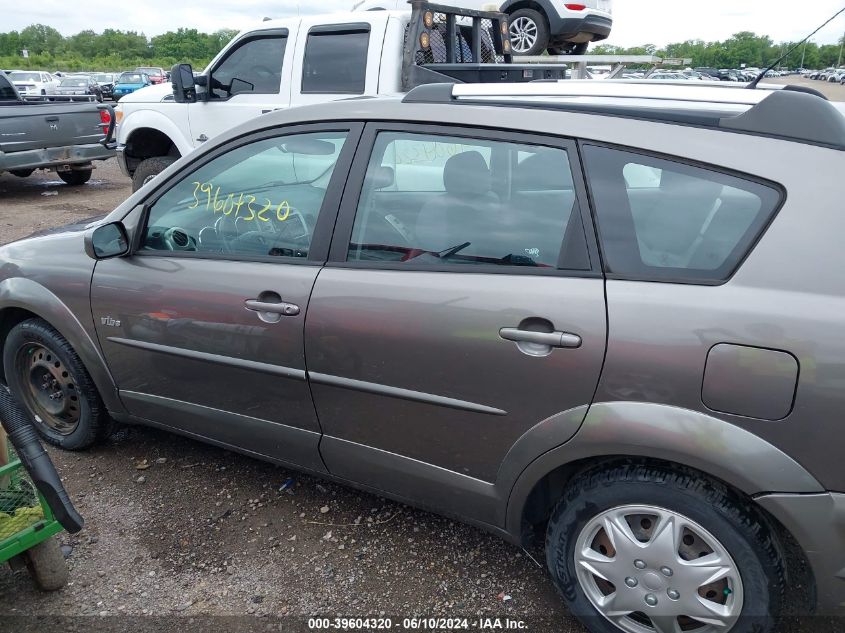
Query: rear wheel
{"x": 76, "y": 177}
{"x": 148, "y": 169}
{"x": 638, "y": 549}
{"x": 529, "y": 32}
{"x": 47, "y": 376}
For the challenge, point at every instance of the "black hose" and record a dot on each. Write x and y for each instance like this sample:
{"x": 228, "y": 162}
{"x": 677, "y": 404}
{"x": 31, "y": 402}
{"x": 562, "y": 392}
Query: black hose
{"x": 37, "y": 462}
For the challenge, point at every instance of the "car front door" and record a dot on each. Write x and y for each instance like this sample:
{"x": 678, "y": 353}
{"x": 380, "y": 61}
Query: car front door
{"x": 251, "y": 79}
{"x": 202, "y": 324}
{"x": 461, "y": 306}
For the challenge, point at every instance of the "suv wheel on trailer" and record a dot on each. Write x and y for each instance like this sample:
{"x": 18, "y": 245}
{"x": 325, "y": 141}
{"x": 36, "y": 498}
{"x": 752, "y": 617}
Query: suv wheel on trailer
{"x": 47, "y": 376}
{"x": 76, "y": 177}
{"x": 149, "y": 169}
{"x": 529, "y": 32}
{"x": 639, "y": 549}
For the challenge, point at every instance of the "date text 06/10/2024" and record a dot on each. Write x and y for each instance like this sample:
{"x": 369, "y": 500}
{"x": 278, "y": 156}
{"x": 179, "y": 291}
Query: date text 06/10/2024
{"x": 416, "y": 624}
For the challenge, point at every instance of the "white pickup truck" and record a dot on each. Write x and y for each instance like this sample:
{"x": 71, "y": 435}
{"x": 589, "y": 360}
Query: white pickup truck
{"x": 313, "y": 59}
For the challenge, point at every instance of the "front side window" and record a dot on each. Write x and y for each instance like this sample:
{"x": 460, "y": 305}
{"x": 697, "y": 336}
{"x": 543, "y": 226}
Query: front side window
{"x": 254, "y": 67}
{"x": 257, "y": 200}
{"x": 431, "y": 200}
{"x": 335, "y": 62}
{"x": 663, "y": 220}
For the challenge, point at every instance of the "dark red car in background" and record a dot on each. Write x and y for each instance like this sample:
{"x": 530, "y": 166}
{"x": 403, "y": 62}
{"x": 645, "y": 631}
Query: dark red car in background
{"x": 156, "y": 75}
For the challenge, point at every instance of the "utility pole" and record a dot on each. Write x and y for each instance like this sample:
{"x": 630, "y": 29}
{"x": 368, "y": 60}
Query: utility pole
{"x": 803, "y": 50}
{"x": 841, "y": 46}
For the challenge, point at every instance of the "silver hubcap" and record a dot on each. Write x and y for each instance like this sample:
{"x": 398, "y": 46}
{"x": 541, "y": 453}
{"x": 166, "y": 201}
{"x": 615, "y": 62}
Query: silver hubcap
{"x": 149, "y": 178}
{"x": 523, "y": 34}
{"x": 650, "y": 570}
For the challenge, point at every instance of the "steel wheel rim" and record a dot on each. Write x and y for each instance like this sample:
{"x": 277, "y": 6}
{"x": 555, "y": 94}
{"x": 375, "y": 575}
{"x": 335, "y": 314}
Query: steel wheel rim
{"x": 660, "y": 572}
{"x": 523, "y": 33}
{"x": 148, "y": 179}
{"x": 48, "y": 388}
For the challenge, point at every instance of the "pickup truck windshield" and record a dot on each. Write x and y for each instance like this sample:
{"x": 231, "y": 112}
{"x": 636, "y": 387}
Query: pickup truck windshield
{"x": 25, "y": 76}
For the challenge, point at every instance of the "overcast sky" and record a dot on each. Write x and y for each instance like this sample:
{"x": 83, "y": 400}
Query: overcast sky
{"x": 635, "y": 21}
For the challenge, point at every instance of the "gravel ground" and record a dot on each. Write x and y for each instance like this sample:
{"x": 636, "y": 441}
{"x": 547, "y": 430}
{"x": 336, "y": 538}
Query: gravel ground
{"x": 178, "y": 528}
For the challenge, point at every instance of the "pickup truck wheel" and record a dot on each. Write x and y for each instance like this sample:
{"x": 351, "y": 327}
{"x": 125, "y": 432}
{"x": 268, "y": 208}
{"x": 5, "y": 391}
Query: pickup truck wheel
{"x": 47, "y": 376}
{"x": 149, "y": 169}
{"x": 642, "y": 549}
{"x": 22, "y": 173}
{"x": 529, "y": 32}
{"x": 76, "y": 177}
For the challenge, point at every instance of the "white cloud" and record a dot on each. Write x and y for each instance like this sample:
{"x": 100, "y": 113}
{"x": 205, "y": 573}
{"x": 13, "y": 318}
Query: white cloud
{"x": 635, "y": 21}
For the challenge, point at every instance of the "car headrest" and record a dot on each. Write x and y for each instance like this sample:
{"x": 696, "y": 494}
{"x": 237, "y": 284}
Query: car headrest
{"x": 466, "y": 174}
{"x": 547, "y": 170}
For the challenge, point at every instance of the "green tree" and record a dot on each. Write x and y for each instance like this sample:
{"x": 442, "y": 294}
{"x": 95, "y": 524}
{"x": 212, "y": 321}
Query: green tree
{"x": 40, "y": 38}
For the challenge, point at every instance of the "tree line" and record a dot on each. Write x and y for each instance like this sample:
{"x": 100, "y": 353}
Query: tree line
{"x": 117, "y": 50}
{"x": 111, "y": 50}
{"x": 742, "y": 48}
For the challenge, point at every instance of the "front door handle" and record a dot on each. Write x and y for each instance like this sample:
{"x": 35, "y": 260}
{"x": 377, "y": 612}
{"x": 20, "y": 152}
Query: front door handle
{"x": 551, "y": 339}
{"x": 283, "y": 308}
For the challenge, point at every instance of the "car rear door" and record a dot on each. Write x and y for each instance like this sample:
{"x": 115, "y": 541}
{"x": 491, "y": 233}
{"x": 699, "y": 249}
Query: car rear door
{"x": 462, "y": 305}
{"x": 202, "y": 324}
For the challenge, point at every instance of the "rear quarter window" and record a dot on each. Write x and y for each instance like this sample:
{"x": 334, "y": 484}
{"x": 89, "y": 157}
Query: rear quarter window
{"x": 661, "y": 220}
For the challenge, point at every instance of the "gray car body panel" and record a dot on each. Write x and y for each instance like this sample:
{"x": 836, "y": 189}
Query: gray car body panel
{"x": 787, "y": 295}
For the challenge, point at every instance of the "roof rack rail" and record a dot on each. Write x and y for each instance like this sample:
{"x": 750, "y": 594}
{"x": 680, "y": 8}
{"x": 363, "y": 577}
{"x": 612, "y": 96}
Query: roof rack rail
{"x": 788, "y": 112}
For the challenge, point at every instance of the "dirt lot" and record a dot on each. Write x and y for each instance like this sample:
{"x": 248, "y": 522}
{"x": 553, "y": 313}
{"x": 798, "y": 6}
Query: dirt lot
{"x": 177, "y": 528}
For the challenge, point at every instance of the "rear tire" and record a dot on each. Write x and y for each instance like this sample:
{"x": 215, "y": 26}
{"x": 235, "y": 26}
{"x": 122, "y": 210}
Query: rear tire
{"x": 529, "y": 32}
{"x": 46, "y": 565}
{"x": 22, "y": 173}
{"x": 149, "y": 169}
{"x": 659, "y": 581}
{"x": 75, "y": 417}
{"x": 76, "y": 177}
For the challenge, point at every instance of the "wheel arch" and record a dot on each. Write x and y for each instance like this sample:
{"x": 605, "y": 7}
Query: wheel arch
{"x": 673, "y": 435}
{"x": 544, "y": 7}
{"x": 22, "y": 299}
{"x": 147, "y": 134}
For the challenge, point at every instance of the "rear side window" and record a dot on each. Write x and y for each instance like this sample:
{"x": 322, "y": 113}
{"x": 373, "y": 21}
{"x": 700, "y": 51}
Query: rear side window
{"x": 336, "y": 62}
{"x": 432, "y": 201}
{"x": 254, "y": 67}
{"x": 662, "y": 220}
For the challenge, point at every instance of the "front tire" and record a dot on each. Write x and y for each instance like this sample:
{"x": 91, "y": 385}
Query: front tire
{"x": 50, "y": 381}
{"x": 529, "y": 32}
{"x": 149, "y": 169}
{"x": 76, "y": 177}
{"x": 640, "y": 549}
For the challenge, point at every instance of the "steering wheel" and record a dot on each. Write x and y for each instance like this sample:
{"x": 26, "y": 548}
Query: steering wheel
{"x": 177, "y": 239}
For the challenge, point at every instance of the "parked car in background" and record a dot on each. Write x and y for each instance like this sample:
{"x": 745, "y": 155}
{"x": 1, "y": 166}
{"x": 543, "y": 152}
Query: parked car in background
{"x": 65, "y": 137}
{"x": 34, "y": 82}
{"x": 79, "y": 85}
{"x": 130, "y": 82}
{"x": 555, "y": 26}
{"x": 106, "y": 81}
{"x": 156, "y": 75}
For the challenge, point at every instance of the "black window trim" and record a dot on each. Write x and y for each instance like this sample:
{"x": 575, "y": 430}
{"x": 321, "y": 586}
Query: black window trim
{"x": 687, "y": 162}
{"x": 282, "y": 33}
{"x": 349, "y": 204}
{"x": 321, "y": 239}
{"x": 337, "y": 29}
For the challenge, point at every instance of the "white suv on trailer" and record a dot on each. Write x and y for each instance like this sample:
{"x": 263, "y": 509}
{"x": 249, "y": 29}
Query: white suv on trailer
{"x": 561, "y": 27}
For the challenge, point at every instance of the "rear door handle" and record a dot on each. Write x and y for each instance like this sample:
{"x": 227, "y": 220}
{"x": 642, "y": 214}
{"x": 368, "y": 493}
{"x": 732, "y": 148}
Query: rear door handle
{"x": 552, "y": 339}
{"x": 283, "y": 308}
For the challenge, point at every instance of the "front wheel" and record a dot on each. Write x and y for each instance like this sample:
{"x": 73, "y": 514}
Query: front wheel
{"x": 529, "y": 32}
{"x": 638, "y": 549}
{"x": 50, "y": 381}
{"x": 148, "y": 169}
{"x": 76, "y": 177}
